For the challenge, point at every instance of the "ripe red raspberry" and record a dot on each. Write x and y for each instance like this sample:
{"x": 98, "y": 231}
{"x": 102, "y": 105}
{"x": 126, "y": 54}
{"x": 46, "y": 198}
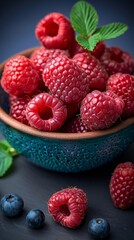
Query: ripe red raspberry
{"x": 18, "y": 108}
{"x": 99, "y": 110}
{"x": 55, "y": 31}
{"x": 76, "y": 48}
{"x": 65, "y": 79}
{"x": 42, "y": 55}
{"x": 95, "y": 71}
{"x": 19, "y": 76}
{"x": 99, "y": 49}
{"x": 46, "y": 112}
{"x": 68, "y": 206}
{"x": 72, "y": 109}
{"x": 114, "y": 59}
{"x": 74, "y": 125}
{"x": 123, "y": 85}
{"x": 122, "y": 185}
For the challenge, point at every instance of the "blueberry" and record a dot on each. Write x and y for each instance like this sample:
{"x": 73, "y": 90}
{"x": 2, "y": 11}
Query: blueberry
{"x": 11, "y": 205}
{"x": 99, "y": 228}
{"x": 35, "y": 218}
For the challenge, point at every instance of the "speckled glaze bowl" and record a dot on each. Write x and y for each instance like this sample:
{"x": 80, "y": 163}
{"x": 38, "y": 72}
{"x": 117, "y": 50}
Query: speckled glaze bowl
{"x": 64, "y": 152}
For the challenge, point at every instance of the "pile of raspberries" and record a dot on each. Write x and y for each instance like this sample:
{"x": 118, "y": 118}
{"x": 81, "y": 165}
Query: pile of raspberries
{"x": 66, "y": 88}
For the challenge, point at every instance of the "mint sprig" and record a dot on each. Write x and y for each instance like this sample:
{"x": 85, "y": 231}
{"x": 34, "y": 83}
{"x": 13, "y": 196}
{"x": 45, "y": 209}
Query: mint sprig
{"x": 84, "y": 19}
{"x": 7, "y": 152}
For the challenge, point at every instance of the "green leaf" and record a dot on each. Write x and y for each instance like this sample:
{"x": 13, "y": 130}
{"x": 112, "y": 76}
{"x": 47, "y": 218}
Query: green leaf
{"x": 111, "y": 30}
{"x": 83, "y": 42}
{"x": 5, "y": 162}
{"x": 89, "y": 43}
{"x": 93, "y": 40}
{"x": 4, "y": 144}
{"x": 84, "y": 18}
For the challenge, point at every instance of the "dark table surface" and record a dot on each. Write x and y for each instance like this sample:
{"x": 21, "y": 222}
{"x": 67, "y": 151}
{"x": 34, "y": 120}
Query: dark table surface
{"x": 35, "y": 185}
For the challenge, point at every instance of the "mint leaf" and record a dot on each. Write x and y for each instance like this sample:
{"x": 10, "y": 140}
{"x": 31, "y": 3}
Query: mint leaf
{"x": 4, "y": 144}
{"x": 5, "y": 161}
{"x": 111, "y": 30}
{"x": 89, "y": 43}
{"x": 83, "y": 42}
{"x": 84, "y": 18}
{"x": 93, "y": 40}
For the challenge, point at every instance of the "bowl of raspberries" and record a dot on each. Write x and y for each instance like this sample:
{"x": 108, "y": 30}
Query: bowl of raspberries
{"x": 68, "y": 104}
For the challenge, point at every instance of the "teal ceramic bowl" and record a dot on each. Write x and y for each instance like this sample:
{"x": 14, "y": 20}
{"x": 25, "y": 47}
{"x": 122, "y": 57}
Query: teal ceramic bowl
{"x": 64, "y": 152}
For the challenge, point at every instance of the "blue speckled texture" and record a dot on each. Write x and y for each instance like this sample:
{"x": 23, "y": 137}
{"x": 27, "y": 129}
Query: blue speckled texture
{"x": 65, "y": 155}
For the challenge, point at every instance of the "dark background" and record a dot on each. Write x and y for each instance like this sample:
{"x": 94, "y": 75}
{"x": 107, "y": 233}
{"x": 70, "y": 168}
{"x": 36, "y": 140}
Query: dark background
{"x": 17, "y": 24}
{"x": 19, "y": 18}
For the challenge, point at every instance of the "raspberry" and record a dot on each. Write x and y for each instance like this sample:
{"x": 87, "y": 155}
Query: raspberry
{"x": 65, "y": 79}
{"x": 46, "y": 112}
{"x": 76, "y": 48}
{"x": 42, "y": 55}
{"x": 19, "y": 76}
{"x": 68, "y": 206}
{"x": 122, "y": 185}
{"x": 55, "y": 31}
{"x": 96, "y": 73}
{"x": 75, "y": 125}
{"x": 123, "y": 85}
{"x": 99, "y": 49}
{"x": 18, "y": 108}
{"x": 72, "y": 109}
{"x": 99, "y": 110}
{"x": 115, "y": 60}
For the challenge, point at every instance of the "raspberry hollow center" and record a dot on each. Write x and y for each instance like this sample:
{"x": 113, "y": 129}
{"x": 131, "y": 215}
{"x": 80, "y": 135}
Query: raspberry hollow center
{"x": 64, "y": 210}
{"x": 45, "y": 113}
{"x": 52, "y": 29}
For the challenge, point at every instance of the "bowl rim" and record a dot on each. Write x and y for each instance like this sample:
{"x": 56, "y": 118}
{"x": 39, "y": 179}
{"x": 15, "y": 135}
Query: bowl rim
{"x": 58, "y": 135}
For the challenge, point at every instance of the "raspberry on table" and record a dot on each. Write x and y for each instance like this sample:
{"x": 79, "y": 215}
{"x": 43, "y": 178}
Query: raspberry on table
{"x": 115, "y": 60}
{"x": 122, "y": 185}
{"x": 19, "y": 76}
{"x": 18, "y": 108}
{"x": 40, "y": 56}
{"x": 96, "y": 73}
{"x": 68, "y": 206}
{"x": 46, "y": 112}
{"x": 55, "y": 31}
{"x": 100, "y": 111}
{"x": 65, "y": 79}
{"x": 123, "y": 85}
